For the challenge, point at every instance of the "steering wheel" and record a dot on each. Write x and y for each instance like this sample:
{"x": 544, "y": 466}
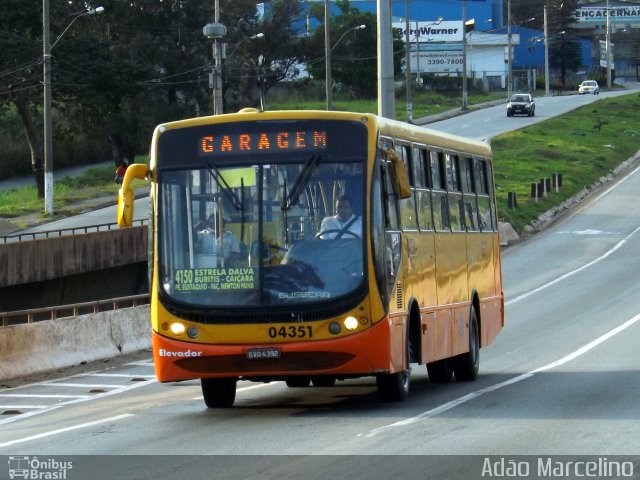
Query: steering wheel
{"x": 319, "y": 235}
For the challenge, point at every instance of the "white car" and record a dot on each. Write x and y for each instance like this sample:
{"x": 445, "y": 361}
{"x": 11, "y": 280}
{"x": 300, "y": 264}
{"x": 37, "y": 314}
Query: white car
{"x": 589, "y": 86}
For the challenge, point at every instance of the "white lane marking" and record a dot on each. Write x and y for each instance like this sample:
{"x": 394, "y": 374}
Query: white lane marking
{"x": 67, "y": 429}
{"x": 120, "y": 375}
{"x": 617, "y": 246}
{"x": 244, "y": 389}
{"x": 587, "y": 232}
{"x": 38, "y": 395}
{"x": 473, "y": 395}
{"x": 80, "y": 385}
{"x": 146, "y": 363}
{"x": 22, "y": 407}
{"x": 79, "y": 400}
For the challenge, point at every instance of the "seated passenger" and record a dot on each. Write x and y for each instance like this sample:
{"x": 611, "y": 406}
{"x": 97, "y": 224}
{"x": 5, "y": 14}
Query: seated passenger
{"x": 208, "y": 237}
{"x": 344, "y": 224}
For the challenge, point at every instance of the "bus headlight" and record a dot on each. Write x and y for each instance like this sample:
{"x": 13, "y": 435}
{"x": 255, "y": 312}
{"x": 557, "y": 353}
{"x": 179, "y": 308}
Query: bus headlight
{"x": 177, "y": 328}
{"x": 350, "y": 323}
{"x": 334, "y": 328}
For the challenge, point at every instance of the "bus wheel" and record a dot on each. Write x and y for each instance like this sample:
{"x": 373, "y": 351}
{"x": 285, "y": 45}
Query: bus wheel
{"x": 440, "y": 371}
{"x": 394, "y": 387}
{"x": 298, "y": 382}
{"x": 219, "y": 392}
{"x": 324, "y": 381}
{"x": 466, "y": 366}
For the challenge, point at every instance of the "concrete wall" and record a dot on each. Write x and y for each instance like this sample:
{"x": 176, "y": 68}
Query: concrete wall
{"x": 47, "y": 345}
{"x": 49, "y": 258}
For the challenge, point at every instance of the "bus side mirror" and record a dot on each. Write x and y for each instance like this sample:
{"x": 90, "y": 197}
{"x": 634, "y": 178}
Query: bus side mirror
{"x": 125, "y": 194}
{"x": 399, "y": 176}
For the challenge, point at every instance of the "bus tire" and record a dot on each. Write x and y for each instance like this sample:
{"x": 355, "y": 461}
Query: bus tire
{"x": 298, "y": 382}
{"x": 324, "y": 381}
{"x": 394, "y": 387}
{"x": 466, "y": 365}
{"x": 219, "y": 392}
{"x": 440, "y": 371}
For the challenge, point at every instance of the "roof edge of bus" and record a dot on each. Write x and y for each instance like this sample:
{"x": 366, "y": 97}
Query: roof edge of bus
{"x": 264, "y": 114}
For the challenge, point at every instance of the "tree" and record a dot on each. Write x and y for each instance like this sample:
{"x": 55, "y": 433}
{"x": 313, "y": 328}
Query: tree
{"x": 354, "y": 58}
{"x": 20, "y": 61}
{"x": 267, "y": 48}
{"x": 564, "y": 49}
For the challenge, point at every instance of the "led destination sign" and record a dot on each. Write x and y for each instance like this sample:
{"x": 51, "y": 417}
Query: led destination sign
{"x": 263, "y": 142}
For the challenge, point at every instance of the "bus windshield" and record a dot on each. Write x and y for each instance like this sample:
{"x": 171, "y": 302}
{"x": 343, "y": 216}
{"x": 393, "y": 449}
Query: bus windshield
{"x": 251, "y": 234}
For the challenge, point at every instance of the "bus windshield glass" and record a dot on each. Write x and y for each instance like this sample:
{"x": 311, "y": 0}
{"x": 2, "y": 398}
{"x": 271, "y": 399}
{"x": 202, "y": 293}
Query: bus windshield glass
{"x": 252, "y": 230}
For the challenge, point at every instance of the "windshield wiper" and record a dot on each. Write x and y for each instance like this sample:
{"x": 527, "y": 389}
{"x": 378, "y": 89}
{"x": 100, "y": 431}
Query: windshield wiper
{"x": 307, "y": 170}
{"x": 224, "y": 187}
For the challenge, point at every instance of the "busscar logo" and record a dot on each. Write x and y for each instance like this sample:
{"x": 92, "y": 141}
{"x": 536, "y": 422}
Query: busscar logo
{"x": 37, "y": 469}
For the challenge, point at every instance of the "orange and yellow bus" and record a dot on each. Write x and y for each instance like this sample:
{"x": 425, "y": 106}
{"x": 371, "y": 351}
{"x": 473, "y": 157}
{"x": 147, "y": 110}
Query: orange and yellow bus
{"x": 245, "y": 286}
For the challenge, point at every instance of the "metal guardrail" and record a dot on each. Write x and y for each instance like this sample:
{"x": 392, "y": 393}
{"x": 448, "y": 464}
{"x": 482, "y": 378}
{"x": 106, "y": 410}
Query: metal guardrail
{"x": 19, "y": 237}
{"x": 69, "y": 311}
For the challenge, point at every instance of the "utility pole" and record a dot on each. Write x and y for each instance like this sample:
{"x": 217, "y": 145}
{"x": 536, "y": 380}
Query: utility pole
{"x": 386, "y": 96}
{"x": 216, "y": 31}
{"x": 48, "y": 140}
{"x": 546, "y": 55}
{"x": 327, "y": 58}
{"x": 465, "y": 105}
{"x": 509, "y": 59}
{"x": 608, "y": 46}
{"x": 407, "y": 70}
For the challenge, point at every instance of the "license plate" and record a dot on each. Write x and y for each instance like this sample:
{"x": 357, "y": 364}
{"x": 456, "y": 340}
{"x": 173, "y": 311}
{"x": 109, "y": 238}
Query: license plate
{"x": 264, "y": 352}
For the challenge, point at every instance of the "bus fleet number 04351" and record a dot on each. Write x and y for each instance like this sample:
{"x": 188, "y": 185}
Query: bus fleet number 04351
{"x": 291, "y": 332}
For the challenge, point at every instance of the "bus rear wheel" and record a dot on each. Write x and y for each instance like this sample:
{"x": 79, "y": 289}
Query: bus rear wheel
{"x": 466, "y": 365}
{"x": 298, "y": 382}
{"x": 219, "y": 392}
{"x": 440, "y": 371}
{"x": 324, "y": 381}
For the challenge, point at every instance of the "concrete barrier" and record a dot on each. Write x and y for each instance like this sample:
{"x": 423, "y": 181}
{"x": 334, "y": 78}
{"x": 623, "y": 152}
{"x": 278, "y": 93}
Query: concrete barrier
{"x": 51, "y": 344}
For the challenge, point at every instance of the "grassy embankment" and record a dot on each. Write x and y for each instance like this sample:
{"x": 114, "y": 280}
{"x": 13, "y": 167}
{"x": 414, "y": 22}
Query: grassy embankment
{"x": 583, "y": 146}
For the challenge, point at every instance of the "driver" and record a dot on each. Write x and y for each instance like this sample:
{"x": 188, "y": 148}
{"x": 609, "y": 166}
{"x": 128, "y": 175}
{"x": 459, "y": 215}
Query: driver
{"x": 344, "y": 221}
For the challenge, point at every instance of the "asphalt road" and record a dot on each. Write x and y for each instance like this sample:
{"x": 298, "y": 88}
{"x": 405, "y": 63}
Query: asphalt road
{"x": 562, "y": 379}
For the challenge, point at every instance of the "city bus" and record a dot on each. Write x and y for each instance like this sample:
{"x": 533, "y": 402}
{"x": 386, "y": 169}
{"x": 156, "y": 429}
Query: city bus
{"x": 244, "y": 285}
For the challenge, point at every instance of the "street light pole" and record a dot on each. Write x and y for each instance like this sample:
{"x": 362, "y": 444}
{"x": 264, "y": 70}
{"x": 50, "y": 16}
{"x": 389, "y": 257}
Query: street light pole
{"x": 464, "y": 56}
{"x": 329, "y": 49}
{"x": 509, "y": 59}
{"x": 546, "y": 55}
{"x": 48, "y": 128}
{"x": 48, "y": 141}
{"x": 327, "y": 58}
{"x": 608, "y": 46}
{"x": 407, "y": 70}
{"x": 386, "y": 89}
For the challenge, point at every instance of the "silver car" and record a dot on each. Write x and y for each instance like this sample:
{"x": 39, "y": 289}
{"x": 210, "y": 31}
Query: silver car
{"x": 589, "y": 86}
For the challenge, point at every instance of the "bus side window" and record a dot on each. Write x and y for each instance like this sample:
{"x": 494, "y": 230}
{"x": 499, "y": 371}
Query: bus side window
{"x": 439, "y": 197}
{"x": 482, "y": 175}
{"x": 468, "y": 195}
{"x": 408, "y": 218}
{"x": 420, "y": 165}
{"x": 456, "y": 208}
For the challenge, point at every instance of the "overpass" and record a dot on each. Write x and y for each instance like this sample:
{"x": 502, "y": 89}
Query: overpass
{"x": 100, "y": 275}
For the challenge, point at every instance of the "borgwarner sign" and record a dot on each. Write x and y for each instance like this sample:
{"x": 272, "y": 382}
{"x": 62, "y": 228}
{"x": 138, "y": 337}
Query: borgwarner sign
{"x": 430, "y": 31}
